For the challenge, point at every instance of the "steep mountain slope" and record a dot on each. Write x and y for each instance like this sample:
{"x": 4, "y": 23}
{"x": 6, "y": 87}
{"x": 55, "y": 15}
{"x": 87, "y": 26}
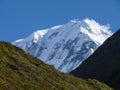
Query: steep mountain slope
{"x": 20, "y": 71}
{"x": 104, "y": 64}
{"x": 66, "y": 46}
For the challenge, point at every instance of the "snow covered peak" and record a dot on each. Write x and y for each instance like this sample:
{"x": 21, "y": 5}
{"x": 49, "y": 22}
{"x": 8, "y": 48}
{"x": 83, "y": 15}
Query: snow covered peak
{"x": 90, "y": 27}
{"x": 91, "y": 24}
{"x": 96, "y": 31}
{"x": 66, "y": 46}
{"x": 96, "y": 27}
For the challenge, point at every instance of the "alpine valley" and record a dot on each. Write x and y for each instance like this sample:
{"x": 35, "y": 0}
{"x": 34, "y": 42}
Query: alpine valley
{"x": 66, "y": 46}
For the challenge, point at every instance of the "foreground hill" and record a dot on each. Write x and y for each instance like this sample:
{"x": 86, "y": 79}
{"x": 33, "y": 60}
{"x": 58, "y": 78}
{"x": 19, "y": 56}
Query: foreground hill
{"x": 104, "y": 64}
{"x": 20, "y": 71}
{"x": 66, "y": 46}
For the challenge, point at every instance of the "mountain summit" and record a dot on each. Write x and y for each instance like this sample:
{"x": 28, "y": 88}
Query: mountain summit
{"x": 66, "y": 46}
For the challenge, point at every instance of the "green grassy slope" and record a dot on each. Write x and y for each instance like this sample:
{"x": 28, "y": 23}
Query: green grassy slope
{"x": 20, "y": 71}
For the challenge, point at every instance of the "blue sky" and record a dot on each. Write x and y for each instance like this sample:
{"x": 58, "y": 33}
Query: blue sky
{"x": 19, "y": 18}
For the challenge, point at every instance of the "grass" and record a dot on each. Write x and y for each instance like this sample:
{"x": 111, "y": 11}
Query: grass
{"x": 21, "y": 71}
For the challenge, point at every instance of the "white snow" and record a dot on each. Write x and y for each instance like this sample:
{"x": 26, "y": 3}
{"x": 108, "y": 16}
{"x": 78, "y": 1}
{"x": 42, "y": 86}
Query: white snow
{"x": 19, "y": 40}
{"x": 63, "y": 45}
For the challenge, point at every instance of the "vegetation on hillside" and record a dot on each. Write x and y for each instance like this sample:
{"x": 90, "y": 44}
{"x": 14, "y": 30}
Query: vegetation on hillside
{"x": 20, "y": 71}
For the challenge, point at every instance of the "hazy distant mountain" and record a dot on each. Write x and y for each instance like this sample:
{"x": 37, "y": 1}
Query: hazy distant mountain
{"x": 66, "y": 46}
{"x": 104, "y": 64}
{"x": 20, "y": 71}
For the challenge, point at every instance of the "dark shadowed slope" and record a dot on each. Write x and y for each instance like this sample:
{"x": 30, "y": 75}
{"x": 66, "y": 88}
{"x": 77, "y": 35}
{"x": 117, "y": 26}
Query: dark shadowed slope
{"x": 20, "y": 71}
{"x": 104, "y": 64}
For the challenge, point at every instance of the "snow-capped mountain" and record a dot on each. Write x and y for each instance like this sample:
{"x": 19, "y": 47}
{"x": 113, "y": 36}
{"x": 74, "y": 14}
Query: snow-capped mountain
{"x": 66, "y": 46}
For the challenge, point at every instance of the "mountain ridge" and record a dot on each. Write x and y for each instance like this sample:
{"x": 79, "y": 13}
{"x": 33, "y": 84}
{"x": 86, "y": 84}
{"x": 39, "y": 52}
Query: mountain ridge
{"x": 66, "y": 46}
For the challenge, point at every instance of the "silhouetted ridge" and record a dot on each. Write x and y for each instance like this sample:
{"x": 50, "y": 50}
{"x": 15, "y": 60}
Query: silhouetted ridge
{"x": 104, "y": 64}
